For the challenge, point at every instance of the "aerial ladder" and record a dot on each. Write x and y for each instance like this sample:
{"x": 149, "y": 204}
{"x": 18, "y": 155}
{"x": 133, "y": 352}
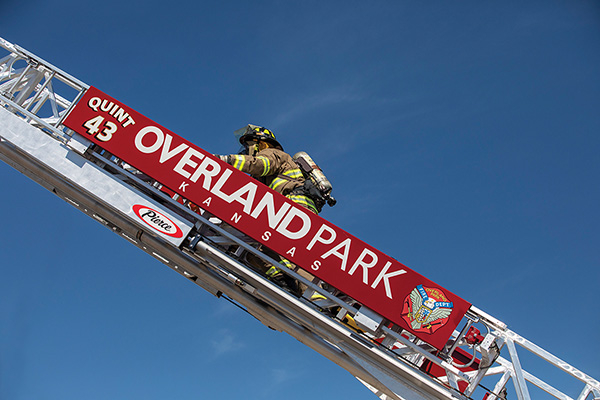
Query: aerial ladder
{"x": 400, "y": 334}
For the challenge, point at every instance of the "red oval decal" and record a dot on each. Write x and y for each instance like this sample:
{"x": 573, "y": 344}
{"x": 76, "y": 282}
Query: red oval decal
{"x": 157, "y": 221}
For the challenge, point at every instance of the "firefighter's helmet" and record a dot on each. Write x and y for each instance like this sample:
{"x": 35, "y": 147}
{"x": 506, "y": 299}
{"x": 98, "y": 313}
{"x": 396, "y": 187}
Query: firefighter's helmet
{"x": 256, "y": 133}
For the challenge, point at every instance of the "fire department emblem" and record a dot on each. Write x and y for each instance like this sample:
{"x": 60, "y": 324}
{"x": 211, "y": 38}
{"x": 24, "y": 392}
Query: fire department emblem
{"x": 426, "y": 309}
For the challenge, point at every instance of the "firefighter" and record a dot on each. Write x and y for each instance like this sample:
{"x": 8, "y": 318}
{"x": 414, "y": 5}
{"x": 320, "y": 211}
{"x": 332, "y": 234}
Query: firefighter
{"x": 263, "y": 158}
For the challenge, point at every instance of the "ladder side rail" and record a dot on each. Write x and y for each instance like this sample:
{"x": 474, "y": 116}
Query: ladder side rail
{"x": 54, "y": 128}
{"x": 512, "y": 338}
{"x": 528, "y": 377}
{"x": 40, "y": 67}
{"x": 552, "y": 359}
{"x": 516, "y": 372}
{"x": 54, "y": 76}
{"x": 27, "y": 55}
{"x": 315, "y": 321}
{"x": 45, "y": 93}
{"x": 60, "y": 72}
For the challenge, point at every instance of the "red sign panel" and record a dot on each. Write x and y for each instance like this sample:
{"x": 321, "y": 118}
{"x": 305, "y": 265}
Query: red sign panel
{"x": 376, "y": 280}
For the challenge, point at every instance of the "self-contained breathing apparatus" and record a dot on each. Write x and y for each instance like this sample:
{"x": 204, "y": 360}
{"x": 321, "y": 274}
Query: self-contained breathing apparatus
{"x": 316, "y": 185}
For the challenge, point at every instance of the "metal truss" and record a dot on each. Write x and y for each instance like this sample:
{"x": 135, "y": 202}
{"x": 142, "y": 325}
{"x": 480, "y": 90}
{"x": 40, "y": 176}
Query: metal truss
{"x": 35, "y": 97}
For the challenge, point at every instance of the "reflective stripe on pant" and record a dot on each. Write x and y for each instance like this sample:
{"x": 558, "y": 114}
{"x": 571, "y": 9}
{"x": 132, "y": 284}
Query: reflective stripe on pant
{"x": 303, "y": 201}
{"x": 274, "y": 270}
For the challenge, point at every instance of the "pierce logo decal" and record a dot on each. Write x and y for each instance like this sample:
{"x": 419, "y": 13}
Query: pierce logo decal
{"x": 426, "y": 309}
{"x": 157, "y": 221}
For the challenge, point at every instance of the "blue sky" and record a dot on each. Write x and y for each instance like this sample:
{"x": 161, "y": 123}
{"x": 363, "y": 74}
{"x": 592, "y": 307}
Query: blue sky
{"x": 461, "y": 138}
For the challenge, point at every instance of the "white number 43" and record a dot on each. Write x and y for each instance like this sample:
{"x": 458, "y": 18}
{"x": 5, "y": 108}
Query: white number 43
{"x": 103, "y": 131}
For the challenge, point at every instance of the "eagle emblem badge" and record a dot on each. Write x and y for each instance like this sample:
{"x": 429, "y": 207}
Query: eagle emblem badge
{"x": 426, "y": 309}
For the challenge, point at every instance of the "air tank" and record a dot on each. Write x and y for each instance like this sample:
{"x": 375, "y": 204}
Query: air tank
{"x": 312, "y": 170}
